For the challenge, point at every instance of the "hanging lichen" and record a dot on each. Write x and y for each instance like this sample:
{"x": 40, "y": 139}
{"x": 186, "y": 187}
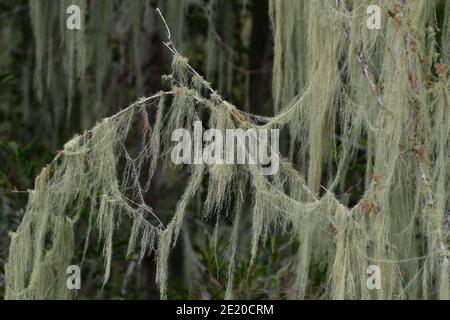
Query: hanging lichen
{"x": 333, "y": 77}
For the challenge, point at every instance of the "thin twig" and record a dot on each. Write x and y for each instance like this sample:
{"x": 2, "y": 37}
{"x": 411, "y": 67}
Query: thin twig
{"x": 369, "y": 78}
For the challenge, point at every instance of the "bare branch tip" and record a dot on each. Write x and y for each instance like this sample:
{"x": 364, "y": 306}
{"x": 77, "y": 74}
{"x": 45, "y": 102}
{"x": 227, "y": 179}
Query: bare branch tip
{"x": 165, "y": 23}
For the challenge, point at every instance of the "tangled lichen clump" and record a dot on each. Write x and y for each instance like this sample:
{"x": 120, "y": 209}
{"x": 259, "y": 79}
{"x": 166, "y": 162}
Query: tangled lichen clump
{"x": 332, "y": 77}
{"x": 389, "y": 87}
{"x": 85, "y": 174}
